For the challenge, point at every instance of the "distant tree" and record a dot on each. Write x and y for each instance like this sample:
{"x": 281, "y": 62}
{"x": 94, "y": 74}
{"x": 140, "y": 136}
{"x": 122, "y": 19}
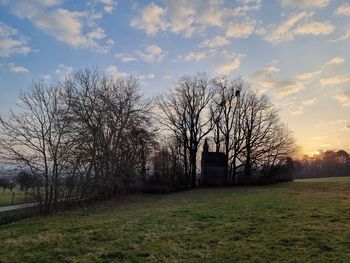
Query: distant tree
{"x": 6, "y": 183}
{"x": 26, "y": 181}
{"x": 342, "y": 157}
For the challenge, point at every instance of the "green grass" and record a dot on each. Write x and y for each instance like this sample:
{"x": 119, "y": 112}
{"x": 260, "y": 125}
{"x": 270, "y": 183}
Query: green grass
{"x": 19, "y": 198}
{"x": 289, "y": 222}
{"x": 326, "y": 179}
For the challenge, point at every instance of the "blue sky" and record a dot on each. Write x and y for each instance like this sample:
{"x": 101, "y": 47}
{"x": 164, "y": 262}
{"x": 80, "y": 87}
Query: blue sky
{"x": 295, "y": 50}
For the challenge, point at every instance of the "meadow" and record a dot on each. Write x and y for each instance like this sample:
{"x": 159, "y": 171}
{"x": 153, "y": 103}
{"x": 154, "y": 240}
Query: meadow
{"x": 301, "y": 221}
{"x": 18, "y": 198}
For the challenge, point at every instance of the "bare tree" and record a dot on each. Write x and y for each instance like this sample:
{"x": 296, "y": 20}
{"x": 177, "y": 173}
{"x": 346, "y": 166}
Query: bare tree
{"x": 185, "y": 108}
{"x": 225, "y": 117}
{"x": 266, "y": 139}
{"x": 248, "y": 126}
{"x": 113, "y": 127}
{"x": 37, "y": 138}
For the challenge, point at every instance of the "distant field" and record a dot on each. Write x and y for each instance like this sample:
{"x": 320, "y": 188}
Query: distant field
{"x": 289, "y": 222}
{"x": 326, "y": 179}
{"x": 6, "y": 197}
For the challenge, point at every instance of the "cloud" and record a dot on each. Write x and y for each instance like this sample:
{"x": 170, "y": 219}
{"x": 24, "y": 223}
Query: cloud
{"x": 17, "y": 69}
{"x": 233, "y": 64}
{"x": 167, "y": 77}
{"x": 78, "y": 29}
{"x": 115, "y": 73}
{"x": 334, "y": 61}
{"x": 335, "y": 80}
{"x": 63, "y": 71}
{"x": 12, "y": 41}
{"x": 307, "y": 76}
{"x": 217, "y": 41}
{"x": 196, "y": 56}
{"x": 151, "y": 19}
{"x": 147, "y": 76}
{"x": 343, "y": 10}
{"x": 309, "y": 101}
{"x": 186, "y": 17}
{"x": 45, "y": 77}
{"x": 296, "y": 110}
{"x": 239, "y": 30}
{"x": 305, "y": 3}
{"x": 298, "y": 24}
{"x": 189, "y": 17}
{"x": 125, "y": 57}
{"x": 287, "y": 87}
{"x": 263, "y": 79}
{"x": 282, "y": 32}
{"x": 314, "y": 28}
{"x": 108, "y": 5}
{"x": 344, "y": 36}
{"x": 152, "y": 53}
{"x": 344, "y": 98}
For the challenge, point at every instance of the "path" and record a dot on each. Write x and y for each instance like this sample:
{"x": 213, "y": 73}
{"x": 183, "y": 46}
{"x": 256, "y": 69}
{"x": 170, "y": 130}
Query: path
{"x": 16, "y": 207}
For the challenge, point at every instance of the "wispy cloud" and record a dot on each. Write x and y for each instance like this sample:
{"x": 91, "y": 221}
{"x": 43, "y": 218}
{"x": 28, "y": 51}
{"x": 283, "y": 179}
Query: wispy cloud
{"x": 335, "y": 80}
{"x": 343, "y": 10}
{"x": 78, "y": 29}
{"x": 62, "y": 71}
{"x": 152, "y": 53}
{"x": 125, "y": 57}
{"x": 298, "y": 24}
{"x": 240, "y": 30}
{"x": 17, "y": 69}
{"x": 217, "y": 41}
{"x": 113, "y": 72}
{"x": 305, "y": 3}
{"x": 309, "y": 101}
{"x": 307, "y": 76}
{"x": 186, "y": 18}
{"x": 12, "y": 41}
{"x": 344, "y": 98}
{"x": 287, "y": 87}
{"x": 333, "y": 61}
{"x": 233, "y": 63}
{"x": 345, "y": 35}
{"x": 108, "y": 5}
{"x": 196, "y": 56}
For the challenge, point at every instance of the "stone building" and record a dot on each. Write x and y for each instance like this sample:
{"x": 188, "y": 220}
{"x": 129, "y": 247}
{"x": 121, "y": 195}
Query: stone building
{"x": 213, "y": 168}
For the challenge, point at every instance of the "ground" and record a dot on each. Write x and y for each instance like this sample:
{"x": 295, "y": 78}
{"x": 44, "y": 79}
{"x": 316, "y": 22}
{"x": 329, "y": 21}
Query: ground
{"x": 302, "y": 221}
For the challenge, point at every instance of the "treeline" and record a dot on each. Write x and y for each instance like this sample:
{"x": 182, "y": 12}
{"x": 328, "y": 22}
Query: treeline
{"x": 92, "y": 136}
{"x": 325, "y": 164}
{"x": 242, "y": 123}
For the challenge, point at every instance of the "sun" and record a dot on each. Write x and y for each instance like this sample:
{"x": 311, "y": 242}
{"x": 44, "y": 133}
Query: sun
{"x": 316, "y": 153}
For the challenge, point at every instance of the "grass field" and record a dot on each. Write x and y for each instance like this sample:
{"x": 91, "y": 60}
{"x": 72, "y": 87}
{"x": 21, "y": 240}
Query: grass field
{"x": 289, "y": 222}
{"x": 19, "y": 198}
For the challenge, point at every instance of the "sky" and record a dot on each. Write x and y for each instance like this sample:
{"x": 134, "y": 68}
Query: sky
{"x": 296, "y": 51}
